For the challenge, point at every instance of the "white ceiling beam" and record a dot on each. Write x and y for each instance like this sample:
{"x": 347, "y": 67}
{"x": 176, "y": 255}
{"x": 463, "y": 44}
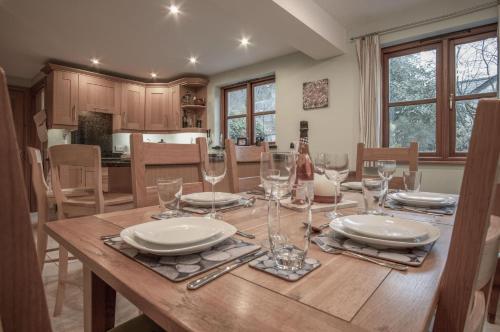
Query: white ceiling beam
{"x": 301, "y": 23}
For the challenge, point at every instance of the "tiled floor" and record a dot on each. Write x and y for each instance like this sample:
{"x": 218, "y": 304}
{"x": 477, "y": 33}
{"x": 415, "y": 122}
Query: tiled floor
{"x": 71, "y": 319}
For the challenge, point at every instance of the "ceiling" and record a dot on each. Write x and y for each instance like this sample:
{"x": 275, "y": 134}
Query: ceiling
{"x": 136, "y": 38}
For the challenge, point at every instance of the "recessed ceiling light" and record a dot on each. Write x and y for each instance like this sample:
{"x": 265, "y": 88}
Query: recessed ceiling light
{"x": 94, "y": 61}
{"x": 174, "y": 10}
{"x": 154, "y": 75}
{"x": 193, "y": 60}
{"x": 245, "y": 41}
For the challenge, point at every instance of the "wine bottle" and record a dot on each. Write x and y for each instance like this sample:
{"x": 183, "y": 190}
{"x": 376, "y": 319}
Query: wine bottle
{"x": 304, "y": 166}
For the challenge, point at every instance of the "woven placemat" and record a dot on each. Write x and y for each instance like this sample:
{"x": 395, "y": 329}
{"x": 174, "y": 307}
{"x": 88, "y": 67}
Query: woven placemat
{"x": 407, "y": 256}
{"x": 178, "y": 268}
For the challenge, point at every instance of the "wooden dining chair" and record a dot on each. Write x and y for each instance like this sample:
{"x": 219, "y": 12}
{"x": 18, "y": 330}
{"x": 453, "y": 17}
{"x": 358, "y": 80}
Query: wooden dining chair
{"x": 67, "y": 207}
{"x": 467, "y": 277}
{"x": 243, "y": 165}
{"x": 151, "y": 161}
{"x": 23, "y": 306}
{"x": 371, "y": 155}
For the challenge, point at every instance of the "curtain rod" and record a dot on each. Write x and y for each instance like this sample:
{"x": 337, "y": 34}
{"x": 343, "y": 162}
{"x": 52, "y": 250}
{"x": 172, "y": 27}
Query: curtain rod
{"x": 431, "y": 20}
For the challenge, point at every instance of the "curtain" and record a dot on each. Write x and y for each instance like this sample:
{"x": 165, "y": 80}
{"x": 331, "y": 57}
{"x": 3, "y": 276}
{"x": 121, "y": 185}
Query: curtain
{"x": 369, "y": 61}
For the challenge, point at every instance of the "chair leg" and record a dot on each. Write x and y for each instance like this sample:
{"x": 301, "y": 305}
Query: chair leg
{"x": 494, "y": 296}
{"x": 41, "y": 243}
{"x": 63, "y": 275}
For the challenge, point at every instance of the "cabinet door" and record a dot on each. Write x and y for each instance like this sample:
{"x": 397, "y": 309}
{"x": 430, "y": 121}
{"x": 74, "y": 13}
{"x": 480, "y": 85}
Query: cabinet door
{"x": 65, "y": 97}
{"x": 72, "y": 176}
{"x": 158, "y": 105}
{"x": 132, "y": 106}
{"x": 174, "y": 114}
{"x": 98, "y": 94}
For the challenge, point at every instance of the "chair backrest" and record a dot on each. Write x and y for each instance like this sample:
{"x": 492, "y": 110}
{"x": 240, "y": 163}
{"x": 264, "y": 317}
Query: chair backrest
{"x": 79, "y": 155}
{"x": 22, "y": 300}
{"x": 371, "y": 155}
{"x": 243, "y": 165}
{"x": 151, "y": 161}
{"x": 37, "y": 176}
{"x": 467, "y": 265}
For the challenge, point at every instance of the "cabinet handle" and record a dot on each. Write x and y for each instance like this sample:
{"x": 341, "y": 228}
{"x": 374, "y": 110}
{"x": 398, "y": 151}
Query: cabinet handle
{"x": 452, "y": 96}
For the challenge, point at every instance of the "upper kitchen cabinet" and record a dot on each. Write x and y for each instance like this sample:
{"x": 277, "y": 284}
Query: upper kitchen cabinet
{"x": 62, "y": 98}
{"x": 160, "y": 114}
{"x": 132, "y": 106}
{"x": 96, "y": 94}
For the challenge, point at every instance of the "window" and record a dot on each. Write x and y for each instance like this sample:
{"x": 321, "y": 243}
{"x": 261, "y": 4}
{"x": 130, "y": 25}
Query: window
{"x": 431, "y": 89}
{"x": 249, "y": 110}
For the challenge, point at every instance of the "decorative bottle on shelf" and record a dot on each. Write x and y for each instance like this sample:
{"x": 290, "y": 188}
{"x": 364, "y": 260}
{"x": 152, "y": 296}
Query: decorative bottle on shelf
{"x": 184, "y": 120}
{"x": 304, "y": 165}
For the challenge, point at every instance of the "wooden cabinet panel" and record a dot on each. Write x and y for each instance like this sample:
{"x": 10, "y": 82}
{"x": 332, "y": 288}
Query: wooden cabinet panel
{"x": 64, "y": 97}
{"x": 132, "y": 106}
{"x": 174, "y": 116}
{"x": 96, "y": 94}
{"x": 72, "y": 176}
{"x": 158, "y": 106}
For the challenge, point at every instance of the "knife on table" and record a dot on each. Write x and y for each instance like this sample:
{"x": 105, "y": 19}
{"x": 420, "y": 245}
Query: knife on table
{"x": 216, "y": 274}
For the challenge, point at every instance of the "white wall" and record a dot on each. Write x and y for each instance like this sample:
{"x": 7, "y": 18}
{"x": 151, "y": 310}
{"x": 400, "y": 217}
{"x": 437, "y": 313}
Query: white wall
{"x": 335, "y": 128}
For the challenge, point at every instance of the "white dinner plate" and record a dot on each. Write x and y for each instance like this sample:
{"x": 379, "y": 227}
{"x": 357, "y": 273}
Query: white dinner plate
{"x": 423, "y": 199}
{"x": 177, "y": 231}
{"x": 352, "y": 185}
{"x": 129, "y": 237}
{"x": 433, "y": 235}
{"x": 385, "y": 227}
{"x": 204, "y": 199}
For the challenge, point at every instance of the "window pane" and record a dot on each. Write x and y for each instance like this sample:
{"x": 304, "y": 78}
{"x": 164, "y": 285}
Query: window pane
{"x": 264, "y": 128}
{"x": 466, "y": 110}
{"x": 413, "y": 123}
{"x": 237, "y": 127}
{"x": 476, "y": 67}
{"x": 412, "y": 77}
{"x": 237, "y": 102}
{"x": 264, "y": 98}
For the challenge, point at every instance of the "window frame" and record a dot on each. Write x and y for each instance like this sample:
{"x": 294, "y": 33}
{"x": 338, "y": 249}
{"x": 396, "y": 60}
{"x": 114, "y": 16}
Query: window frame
{"x": 250, "y": 114}
{"x": 445, "y": 86}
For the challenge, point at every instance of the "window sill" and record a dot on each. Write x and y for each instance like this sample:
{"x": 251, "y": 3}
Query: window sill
{"x": 441, "y": 161}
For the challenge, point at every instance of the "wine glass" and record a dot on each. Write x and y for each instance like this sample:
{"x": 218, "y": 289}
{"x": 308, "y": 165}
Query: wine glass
{"x": 336, "y": 169}
{"x": 214, "y": 170}
{"x": 386, "y": 170}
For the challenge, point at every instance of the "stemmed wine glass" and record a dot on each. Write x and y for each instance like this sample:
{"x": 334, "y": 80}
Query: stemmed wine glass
{"x": 386, "y": 170}
{"x": 277, "y": 168}
{"x": 335, "y": 166}
{"x": 214, "y": 170}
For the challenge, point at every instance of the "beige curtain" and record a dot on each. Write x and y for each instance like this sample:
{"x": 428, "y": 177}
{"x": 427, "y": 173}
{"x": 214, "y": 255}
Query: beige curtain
{"x": 369, "y": 61}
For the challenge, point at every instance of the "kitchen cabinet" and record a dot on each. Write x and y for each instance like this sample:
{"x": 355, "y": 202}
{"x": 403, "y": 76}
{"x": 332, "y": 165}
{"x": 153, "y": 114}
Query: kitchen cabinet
{"x": 62, "y": 98}
{"x": 132, "y": 106}
{"x": 82, "y": 177}
{"x": 97, "y": 94}
{"x": 162, "y": 108}
{"x": 158, "y": 105}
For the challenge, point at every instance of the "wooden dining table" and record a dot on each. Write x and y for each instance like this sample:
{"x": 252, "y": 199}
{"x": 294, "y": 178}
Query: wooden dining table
{"x": 343, "y": 294}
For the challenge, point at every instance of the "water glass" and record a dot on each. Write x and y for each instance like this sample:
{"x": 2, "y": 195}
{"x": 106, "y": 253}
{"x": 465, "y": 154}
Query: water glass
{"x": 289, "y": 239}
{"x": 412, "y": 180}
{"x": 214, "y": 170}
{"x": 277, "y": 168}
{"x": 169, "y": 195}
{"x": 373, "y": 190}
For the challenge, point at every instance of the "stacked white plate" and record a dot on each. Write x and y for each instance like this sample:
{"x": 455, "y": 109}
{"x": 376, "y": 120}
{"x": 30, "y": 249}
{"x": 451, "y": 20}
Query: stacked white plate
{"x": 352, "y": 185}
{"x": 423, "y": 199}
{"x": 177, "y": 236}
{"x": 386, "y": 231}
{"x": 204, "y": 199}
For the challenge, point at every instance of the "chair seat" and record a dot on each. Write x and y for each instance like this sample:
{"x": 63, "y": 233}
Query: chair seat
{"x": 110, "y": 199}
{"x": 141, "y": 323}
{"x": 72, "y": 192}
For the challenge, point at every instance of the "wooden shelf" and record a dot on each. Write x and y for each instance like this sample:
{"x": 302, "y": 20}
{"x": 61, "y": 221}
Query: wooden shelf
{"x": 192, "y": 130}
{"x": 194, "y": 107}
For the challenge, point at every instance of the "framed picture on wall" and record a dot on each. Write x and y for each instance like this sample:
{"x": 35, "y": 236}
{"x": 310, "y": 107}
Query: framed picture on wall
{"x": 315, "y": 94}
{"x": 241, "y": 141}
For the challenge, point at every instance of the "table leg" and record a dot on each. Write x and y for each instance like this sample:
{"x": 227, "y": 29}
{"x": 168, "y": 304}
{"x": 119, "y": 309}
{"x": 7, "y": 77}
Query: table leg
{"x": 99, "y": 301}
